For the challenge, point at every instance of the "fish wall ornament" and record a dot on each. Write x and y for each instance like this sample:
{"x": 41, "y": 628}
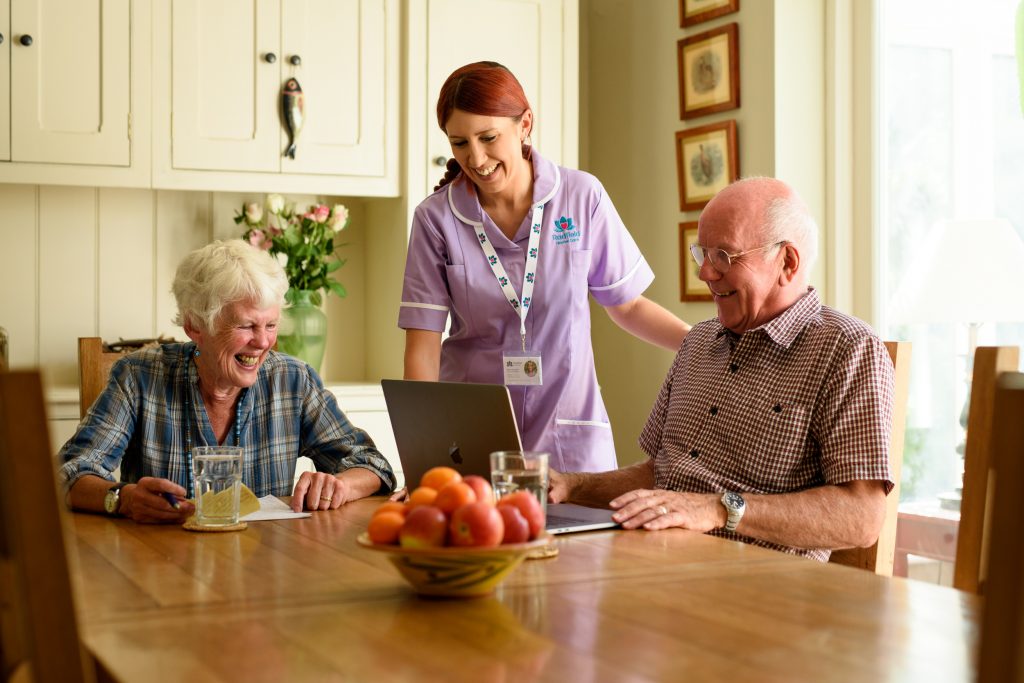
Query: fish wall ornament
{"x": 293, "y": 105}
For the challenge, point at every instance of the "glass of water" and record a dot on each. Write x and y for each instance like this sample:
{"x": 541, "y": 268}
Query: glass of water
{"x": 512, "y": 471}
{"x": 218, "y": 484}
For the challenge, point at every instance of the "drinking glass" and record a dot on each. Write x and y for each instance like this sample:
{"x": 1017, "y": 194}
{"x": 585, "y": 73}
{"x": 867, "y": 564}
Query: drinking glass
{"x": 218, "y": 484}
{"x": 515, "y": 470}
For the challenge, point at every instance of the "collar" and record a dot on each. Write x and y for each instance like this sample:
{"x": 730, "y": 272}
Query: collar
{"x": 784, "y": 328}
{"x": 465, "y": 204}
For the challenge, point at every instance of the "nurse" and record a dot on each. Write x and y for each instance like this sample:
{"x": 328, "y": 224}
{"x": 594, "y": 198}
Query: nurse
{"x": 511, "y": 245}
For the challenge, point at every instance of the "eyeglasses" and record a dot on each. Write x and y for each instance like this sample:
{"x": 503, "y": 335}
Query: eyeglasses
{"x": 721, "y": 260}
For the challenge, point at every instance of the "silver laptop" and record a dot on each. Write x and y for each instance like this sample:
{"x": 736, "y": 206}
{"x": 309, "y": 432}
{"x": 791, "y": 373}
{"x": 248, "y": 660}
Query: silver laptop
{"x": 459, "y": 424}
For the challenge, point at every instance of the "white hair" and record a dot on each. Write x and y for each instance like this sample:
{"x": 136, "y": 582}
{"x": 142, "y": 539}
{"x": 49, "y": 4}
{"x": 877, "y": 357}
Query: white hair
{"x": 787, "y": 219}
{"x": 223, "y": 273}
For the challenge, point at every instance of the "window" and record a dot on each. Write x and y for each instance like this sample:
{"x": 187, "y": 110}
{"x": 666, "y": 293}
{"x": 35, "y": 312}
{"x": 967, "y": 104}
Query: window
{"x": 951, "y": 150}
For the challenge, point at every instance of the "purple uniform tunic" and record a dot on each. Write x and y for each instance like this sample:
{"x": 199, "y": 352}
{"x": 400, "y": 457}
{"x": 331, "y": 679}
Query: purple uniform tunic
{"x": 584, "y": 249}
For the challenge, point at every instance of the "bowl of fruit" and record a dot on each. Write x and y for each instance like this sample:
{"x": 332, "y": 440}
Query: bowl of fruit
{"x": 451, "y": 539}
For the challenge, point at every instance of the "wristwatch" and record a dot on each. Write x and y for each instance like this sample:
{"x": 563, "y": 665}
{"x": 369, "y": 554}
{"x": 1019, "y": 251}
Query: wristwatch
{"x": 112, "y": 501}
{"x": 735, "y": 506}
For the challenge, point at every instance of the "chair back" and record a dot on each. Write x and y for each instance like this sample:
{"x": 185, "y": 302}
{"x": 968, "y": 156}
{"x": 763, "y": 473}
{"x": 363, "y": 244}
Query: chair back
{"x": 1002, "y": 629}
{"x": 975, "y": 506}
{"x": 40, "y": 638}
{"x": 879, "y": 557}
{"x": 93, "y": 370}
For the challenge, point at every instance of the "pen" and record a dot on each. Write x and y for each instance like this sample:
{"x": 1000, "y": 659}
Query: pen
{"x": 171, "y": 499}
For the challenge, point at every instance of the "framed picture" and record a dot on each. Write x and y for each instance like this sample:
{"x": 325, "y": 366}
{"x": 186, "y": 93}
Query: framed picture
{"x": 691, "y": 288}
{"x": 695, "y": 11}
{"x": 709, "y": 72}
{"x": 706, "y": 161}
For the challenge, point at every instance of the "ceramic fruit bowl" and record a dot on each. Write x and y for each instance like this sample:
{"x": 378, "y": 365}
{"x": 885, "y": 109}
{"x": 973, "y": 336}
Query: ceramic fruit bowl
{"x": 456, "y": 572}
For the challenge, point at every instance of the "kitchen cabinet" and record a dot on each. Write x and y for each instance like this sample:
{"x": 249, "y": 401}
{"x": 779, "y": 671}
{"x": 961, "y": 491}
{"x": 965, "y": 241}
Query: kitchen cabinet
{"x": 74, "y": 92}
{"x": 219, "y": 68}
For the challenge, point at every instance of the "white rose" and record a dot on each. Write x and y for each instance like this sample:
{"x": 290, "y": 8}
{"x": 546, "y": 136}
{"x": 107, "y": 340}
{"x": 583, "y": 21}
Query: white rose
{"x": 275, "y": 204}
{"x": 339, "y": 217}
{"x": 253, "y": 213}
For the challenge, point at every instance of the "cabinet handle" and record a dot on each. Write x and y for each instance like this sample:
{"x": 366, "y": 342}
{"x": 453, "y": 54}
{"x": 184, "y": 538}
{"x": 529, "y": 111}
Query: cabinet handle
{"x": 1, "y": 39}
{"x": 270, "y": 57}
{"x": 25, "y": 40}
{"x": 441, "y": 161}
{"x": 295, "y": 60}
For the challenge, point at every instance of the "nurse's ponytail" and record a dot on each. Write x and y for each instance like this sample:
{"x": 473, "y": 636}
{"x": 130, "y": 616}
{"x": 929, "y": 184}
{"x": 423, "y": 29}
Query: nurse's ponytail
{"x": 452, "y": 169}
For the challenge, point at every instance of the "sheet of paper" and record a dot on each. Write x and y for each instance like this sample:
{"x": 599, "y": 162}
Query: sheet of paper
{"x": 272, "y": 507}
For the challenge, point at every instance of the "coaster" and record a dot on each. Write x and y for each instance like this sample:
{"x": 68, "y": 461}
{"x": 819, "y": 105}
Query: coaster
{"x": 190, "y": 525}
{"x": 550, "y": 550}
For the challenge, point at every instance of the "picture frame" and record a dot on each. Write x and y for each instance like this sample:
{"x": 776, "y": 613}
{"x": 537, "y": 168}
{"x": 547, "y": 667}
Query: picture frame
{"x": 707, "y": 160}
{"x": 696, "y": 11}
{"x": 709, "y": 72}
{"x": 691, "y": 287}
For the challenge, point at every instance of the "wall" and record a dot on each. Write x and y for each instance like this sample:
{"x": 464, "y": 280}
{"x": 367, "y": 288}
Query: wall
{"x": 632, "y": 114}
{"x": 79, "y": 261}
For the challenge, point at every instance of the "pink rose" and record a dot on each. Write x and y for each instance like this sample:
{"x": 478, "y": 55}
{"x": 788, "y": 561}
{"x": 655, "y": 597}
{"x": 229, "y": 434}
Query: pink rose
{"x": 339, "y": 217}
{"x": 258, "y": 239}
{"x": 322, "y": 213}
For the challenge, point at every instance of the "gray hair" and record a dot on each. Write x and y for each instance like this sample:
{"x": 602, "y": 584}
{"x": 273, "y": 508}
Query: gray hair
{"x": 787, "y": 219}
{"x": 223, "y": 273}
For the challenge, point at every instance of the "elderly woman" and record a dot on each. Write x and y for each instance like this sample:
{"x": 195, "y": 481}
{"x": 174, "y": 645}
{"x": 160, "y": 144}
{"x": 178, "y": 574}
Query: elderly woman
{"x": 227, "y": 386}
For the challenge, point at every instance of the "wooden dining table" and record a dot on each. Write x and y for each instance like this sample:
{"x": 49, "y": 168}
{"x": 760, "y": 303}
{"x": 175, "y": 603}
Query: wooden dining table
{"x": 300, "y": 600}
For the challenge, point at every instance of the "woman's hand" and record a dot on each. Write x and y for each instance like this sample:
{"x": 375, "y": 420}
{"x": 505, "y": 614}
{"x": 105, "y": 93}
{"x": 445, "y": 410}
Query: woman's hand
{"x": 320, "y": 491}
{"x": 147, "y": 502}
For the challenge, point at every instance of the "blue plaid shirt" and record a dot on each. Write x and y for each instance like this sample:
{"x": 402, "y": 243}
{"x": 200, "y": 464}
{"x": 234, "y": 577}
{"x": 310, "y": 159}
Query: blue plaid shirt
{"x": 138, "y": 423}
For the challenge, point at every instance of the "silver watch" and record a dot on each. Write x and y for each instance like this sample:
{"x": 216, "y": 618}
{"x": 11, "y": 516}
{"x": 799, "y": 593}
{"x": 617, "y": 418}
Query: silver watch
{"x": 112, "y": 501}
{"x": 735, "y": 506}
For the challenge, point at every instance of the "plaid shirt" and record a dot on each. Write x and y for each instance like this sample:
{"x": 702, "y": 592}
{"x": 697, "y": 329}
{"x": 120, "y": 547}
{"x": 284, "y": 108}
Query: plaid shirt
{"x": 138, "y": 423}
{"x": 802, "y": 401}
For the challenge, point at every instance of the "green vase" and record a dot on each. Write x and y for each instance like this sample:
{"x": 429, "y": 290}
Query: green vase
{"x": 303, "y": 329}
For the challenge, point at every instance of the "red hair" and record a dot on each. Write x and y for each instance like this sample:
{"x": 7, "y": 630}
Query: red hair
{"x": 484, "y": 88}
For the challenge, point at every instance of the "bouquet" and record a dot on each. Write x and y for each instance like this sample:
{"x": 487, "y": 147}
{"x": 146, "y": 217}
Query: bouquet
{"x": 305, "y": 241}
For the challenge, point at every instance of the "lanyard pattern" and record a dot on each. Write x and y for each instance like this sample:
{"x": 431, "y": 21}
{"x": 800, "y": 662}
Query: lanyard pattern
{"x": 522, "y": 308}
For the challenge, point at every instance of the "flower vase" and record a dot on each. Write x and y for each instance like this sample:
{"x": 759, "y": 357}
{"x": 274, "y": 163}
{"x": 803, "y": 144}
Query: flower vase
{"x": 303, "y": 329}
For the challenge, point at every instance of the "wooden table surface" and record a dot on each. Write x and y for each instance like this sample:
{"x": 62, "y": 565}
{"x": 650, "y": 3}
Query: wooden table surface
{"x": 299, "y": 600}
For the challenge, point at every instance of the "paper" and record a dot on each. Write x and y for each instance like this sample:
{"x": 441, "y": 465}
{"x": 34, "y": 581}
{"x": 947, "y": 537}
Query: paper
{"x": 272, "y": 507}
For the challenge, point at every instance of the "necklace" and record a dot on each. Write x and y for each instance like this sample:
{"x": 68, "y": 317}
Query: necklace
{"x": 188, "y": 425}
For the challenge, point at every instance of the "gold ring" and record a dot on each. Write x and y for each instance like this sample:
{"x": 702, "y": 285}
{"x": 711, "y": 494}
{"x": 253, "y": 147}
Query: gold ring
{"x": 327, "y": 498}
{"x": 662, "y": 510}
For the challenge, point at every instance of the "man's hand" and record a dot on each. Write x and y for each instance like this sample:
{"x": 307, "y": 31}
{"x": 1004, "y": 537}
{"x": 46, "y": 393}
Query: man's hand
{"x": 660, "y": 509}
{"x": 146, "y": 502}
{"x": 319, "y": 491}
{"x": 559, "y": 486}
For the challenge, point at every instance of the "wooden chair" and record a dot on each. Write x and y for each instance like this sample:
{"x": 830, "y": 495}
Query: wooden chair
{"x": 1002, "y": 629}
{"x": 40, "y": 638}
{"x": 879, "y": 557}
{"x": 93, "y": 370}
{"x": 975, "y": 506}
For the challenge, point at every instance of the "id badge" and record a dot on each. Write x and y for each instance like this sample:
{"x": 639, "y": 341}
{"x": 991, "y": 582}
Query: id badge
{"x": 522, "y": 369}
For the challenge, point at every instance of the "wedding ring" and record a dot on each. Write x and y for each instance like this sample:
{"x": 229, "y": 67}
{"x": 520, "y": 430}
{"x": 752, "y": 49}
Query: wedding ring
{"x": 662, "y": 510}
{"x": 326, "y": 498}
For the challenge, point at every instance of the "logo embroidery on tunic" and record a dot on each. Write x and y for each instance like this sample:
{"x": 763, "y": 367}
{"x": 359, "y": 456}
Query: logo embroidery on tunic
{"x": 566, "y": 231}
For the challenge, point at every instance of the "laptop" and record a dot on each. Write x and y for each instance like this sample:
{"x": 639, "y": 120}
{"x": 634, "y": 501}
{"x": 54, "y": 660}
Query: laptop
{"x": 460, "y": 424}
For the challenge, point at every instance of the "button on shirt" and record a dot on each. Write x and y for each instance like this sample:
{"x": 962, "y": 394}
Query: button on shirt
{"x": 138, "y": 423}
{"x": 585, "y": 250}
{"x": 802, "y": 401}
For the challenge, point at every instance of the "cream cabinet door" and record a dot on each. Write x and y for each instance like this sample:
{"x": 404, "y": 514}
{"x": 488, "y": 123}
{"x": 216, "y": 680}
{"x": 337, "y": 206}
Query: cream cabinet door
{"x": 535, "y": 41}
{"x": 5, "y": 80}
{"x": 343, "y": 55}
{"x": 225, "y": 80}
{"x": 230, "y": 59}
{"x": 70, "y": 81}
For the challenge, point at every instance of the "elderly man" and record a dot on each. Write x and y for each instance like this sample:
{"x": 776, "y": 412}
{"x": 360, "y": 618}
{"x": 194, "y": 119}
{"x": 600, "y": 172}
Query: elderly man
{"x": 773, "y": 424}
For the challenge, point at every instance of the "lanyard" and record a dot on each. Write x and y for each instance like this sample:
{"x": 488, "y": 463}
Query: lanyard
{"x": 529, "y": 274}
